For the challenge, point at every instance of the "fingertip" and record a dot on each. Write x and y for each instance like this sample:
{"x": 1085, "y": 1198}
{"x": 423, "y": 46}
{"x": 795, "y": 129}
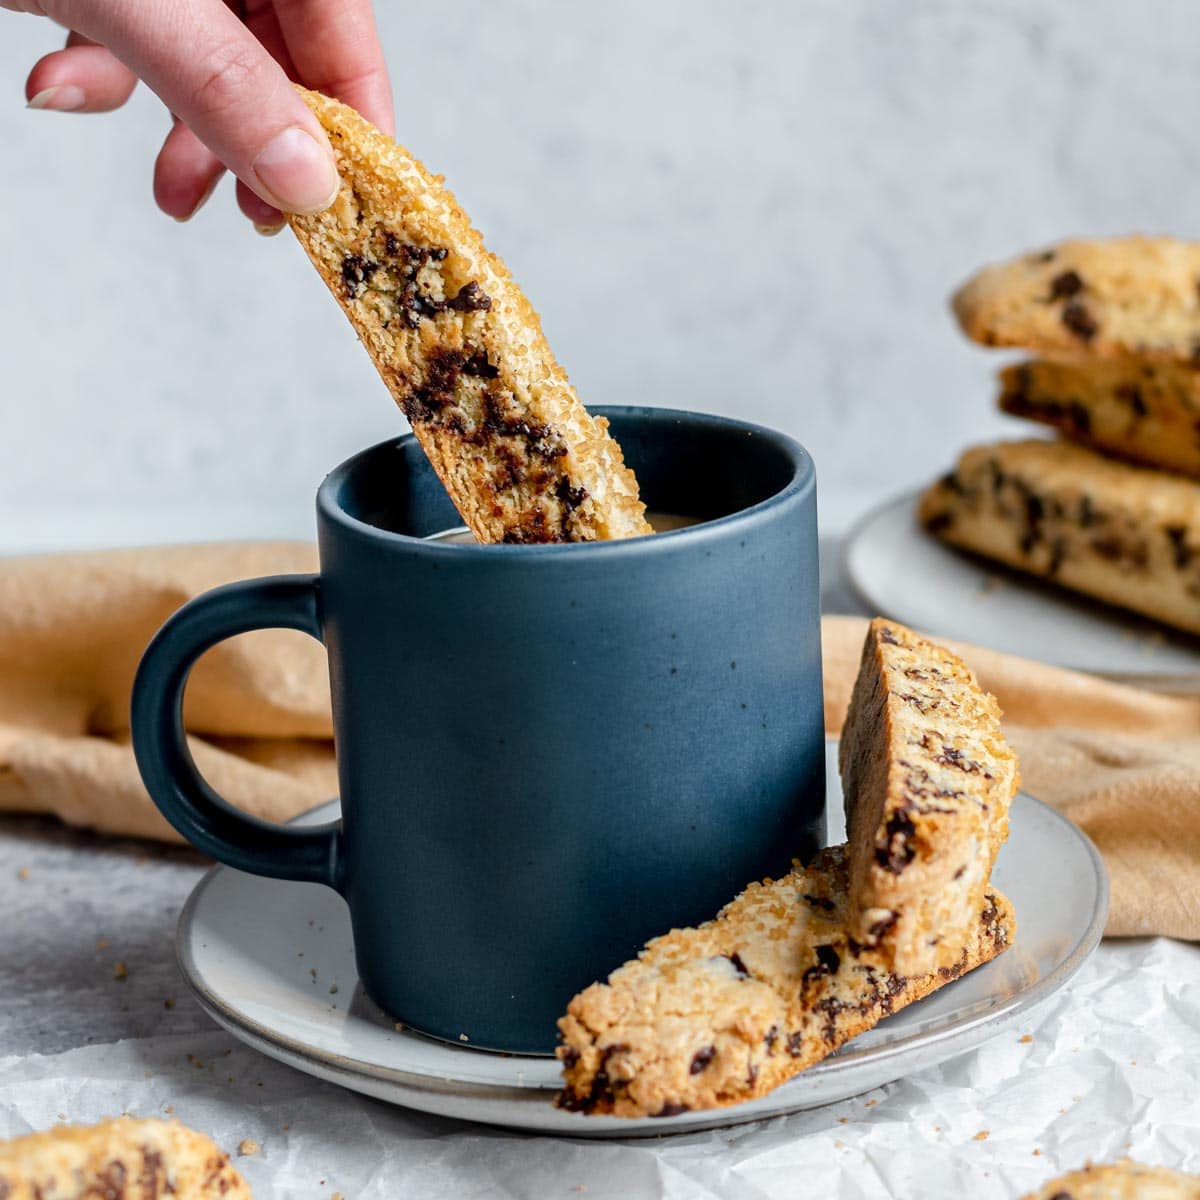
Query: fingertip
{"x": 257, "y": 209}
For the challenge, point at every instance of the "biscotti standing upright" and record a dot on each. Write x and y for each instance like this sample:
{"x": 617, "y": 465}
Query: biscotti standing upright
{"x": 928, "y": 780}
{"x": 1124, "y": 534}
{"x": 1106, "y": 298}
{"x": 123, "y": 1158}
{"x": 727, "y": 1011}
{"x": 461, "y": 350}
{"x": 1146, "y": 412}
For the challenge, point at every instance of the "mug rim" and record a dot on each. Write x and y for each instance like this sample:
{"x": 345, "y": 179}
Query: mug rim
{"x": 801, "y": 483}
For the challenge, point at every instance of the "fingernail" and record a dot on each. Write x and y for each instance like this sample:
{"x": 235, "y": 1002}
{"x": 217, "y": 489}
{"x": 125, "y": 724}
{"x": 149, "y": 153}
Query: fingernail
{"x": 267, "y": 230}
{"x": 66, "y": 98}
{"x": 208, "y": 191}
{"x": 297, "y": 172}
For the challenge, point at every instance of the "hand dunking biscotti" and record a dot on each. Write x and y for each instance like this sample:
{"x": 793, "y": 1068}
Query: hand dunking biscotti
{"x": 125, "y": 1158}
{"x": 461, "y": 350}
{"x": 781, "y": 978}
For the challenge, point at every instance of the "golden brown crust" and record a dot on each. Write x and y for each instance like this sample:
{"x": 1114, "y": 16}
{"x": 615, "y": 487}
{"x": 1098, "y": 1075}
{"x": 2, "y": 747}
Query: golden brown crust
{"x": 125, "y": 1159}
{"x": 712, "y": 1016}
{"x": 1127, "y": 535}
{"x": 928, "y": 781}
{"x": 1147, "y": 413}
{"x": 461, "y": 350}
{"x": 1123, "y": 1180}
{"x": 1106, "y": 298}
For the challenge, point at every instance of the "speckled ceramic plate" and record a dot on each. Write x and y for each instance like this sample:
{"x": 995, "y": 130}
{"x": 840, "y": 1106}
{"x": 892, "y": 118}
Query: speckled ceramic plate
{"x": 901, "y": 572}
{"x": 273, "y": 963}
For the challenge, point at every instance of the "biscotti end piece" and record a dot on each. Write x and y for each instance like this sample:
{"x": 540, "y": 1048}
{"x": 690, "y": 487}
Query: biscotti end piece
{"x": 1147, "y": 413}
{"x": 1123, "y": 1180}
{"x": 126, "y": 1158}
{"x": 928, "y": 781}
{"x": 1126, "y": 535}
{"x": 461, "y": 350}
{"x": 1107, "y": 298}
{"x": 725, "y": 1012}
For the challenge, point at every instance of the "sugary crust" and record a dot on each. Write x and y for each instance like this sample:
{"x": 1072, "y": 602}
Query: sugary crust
{"x": 1124, "y": 534}
{"x": 1120, "y": 297}
{"x": 712, "y": 1016}
{"x": 1123, "y": 1180}
{"x": 461, "y": 350}
{"x": 1148, "y": 413}
{"x": 123, "y": 1159}
{"x": 928, "y": 781}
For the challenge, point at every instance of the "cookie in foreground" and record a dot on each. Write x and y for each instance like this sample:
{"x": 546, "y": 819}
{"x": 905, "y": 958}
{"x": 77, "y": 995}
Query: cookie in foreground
{"x": 725, "y": 1012}
{"x": 1105, "y": 298}
{"x": 461, "y": 350}
{"x": 1124, "y": 534}
{"x": 928, "y": 781}
{"x": 1147, "y": 413}
{"x": 126, "y": 1158}
{"x": 1124, "y": 1180}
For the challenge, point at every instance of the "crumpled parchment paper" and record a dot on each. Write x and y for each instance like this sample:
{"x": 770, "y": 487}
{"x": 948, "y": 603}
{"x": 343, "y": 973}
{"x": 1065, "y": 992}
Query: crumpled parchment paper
{"x": 1110, "y": 1067}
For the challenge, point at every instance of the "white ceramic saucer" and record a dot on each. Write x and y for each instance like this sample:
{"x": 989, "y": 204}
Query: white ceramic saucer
{"x": 899, "y": 571}
{"x": 273, "y": 963}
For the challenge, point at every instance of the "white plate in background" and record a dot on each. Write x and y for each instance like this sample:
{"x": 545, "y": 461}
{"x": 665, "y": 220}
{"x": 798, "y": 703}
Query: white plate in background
{"x": 900, "y": 571}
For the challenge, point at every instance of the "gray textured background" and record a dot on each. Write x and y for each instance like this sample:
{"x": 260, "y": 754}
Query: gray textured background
{"x": 753, "y": 208}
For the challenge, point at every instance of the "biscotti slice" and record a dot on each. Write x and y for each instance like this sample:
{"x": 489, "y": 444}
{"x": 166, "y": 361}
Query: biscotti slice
{"x": 1124, "y": 1180}
{"x": 461, "y": 350}
{"x": 712, "y": 1016}
{"x": 1124, "y": 534}
{"x": 928, "y": 780}
{"x": 1148, "y": 413}
{"x": 1117, "y": 297}
{"x": 125, "y": 1158}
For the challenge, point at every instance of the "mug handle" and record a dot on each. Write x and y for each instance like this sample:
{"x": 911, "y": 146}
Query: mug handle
{"x": 160, "y": 745}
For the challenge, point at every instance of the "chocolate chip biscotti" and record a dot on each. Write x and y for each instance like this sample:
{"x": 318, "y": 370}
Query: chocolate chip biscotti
{"x": 125, "y": 1159}
{"x": 461, "y": 350}
{"x": 928, "y": 781}
{"x": 1132, "y": 296}
{"x": 1148, "y": 413}
{"x": 1124, "y": 1180}
{"x": 725, "y": 1012}
{"x": 1123, "y": 534}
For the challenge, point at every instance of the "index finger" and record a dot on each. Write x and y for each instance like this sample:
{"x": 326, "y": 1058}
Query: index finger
{"x": 335, "y": 48}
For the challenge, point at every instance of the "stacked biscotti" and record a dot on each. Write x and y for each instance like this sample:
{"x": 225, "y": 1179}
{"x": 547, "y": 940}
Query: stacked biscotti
{"x": 1111, "y": 507}
{"x": 794, "y": 967}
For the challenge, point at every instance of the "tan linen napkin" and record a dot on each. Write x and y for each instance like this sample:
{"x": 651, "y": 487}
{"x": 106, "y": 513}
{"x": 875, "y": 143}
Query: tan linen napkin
{"x": 1124, "y": 764}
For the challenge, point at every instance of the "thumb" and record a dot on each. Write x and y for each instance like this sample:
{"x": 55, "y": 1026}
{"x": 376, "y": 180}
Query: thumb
{"x": 211, "y": 72}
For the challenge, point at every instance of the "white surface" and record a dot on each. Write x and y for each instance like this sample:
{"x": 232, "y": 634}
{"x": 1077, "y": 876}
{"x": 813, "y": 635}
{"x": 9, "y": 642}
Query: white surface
{"x": 754, "y": 208}
{"x": 274, "y": 963}
{"x": 903, "y": 573}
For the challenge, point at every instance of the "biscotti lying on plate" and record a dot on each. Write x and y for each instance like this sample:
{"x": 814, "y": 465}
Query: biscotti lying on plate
{"x": 125, "y": 1158}
{"x": 782, "y": 977}
{"x": 1123, "y": 1180}
{"x": 1123, "y": 534}
{"x": 461, "y": 350}
{"x": 1112, "y": 509}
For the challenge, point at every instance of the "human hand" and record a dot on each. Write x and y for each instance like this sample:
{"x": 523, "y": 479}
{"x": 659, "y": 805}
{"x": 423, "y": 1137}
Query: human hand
{"x": 222, "y": 68}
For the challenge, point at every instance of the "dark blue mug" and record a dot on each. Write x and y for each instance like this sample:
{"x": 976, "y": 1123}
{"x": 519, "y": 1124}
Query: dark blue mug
{"x": 546, "y": 754}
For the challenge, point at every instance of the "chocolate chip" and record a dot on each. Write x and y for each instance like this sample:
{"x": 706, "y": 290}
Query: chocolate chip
{"x": 880, "y": 927}
{"x": 471, "y": 298}
{"x": 795, "y": 1044}
{"x": 356, "y": 273}
{"x": 828, "y": 961}
{"x": 1179, "y": 547}
{"x": 1062, "y": 1196}
{"x": 1131, "y": 394}
{"x": 939, "y": 522}
{"x": 391, "y": 245}
{"x": 769, "y": 1039}
{"x": 572, "y": 497}
{"x": 738, "y": 965}
{"x": 570, "y": 1057}
{"x": 888, "y": 636}
{"x": 1058, "y": 554}
{"x": 951, "y": 757}
{"x": 479, "y": 366}
{"x": 1087, "y": 512}
{"x": 1064, "y": 285}
{"x": 701, "y": 1059}
{"x": 1079, "y": 321}
{"x": 819, "y": 902}
{"x": 671, "y": 1109}
{"x": 897, "y": 851}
